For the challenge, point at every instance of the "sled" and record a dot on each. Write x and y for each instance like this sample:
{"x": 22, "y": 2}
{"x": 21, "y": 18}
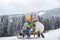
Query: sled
{"x": 38, "y": 32}
{"x": 31, "y": 33}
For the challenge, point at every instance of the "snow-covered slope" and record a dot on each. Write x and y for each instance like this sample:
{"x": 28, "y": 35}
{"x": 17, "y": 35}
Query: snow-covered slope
{"x": 51, "y": 35}
{"x": 49, "y": 13}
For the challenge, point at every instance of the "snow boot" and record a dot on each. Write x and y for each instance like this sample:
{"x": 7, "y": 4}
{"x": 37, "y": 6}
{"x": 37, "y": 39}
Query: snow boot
{"x": 42, "y": 35}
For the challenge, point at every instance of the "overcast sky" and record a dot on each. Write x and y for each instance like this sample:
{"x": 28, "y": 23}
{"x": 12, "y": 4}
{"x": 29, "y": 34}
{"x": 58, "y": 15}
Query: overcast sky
{"x": 9, "y": 7}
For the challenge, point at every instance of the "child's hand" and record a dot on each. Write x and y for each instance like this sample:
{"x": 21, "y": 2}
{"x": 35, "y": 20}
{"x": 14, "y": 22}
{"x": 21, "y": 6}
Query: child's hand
{"x": 28, "y": 26}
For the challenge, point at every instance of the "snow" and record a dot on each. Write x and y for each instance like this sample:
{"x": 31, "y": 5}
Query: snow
{"x": 41, "y": 13}
{"x": 50, "y": 35}
{"x": 53, "y": 34}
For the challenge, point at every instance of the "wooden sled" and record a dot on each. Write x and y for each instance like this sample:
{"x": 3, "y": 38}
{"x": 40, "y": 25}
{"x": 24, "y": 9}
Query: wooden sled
{"x": 31, "y": 33}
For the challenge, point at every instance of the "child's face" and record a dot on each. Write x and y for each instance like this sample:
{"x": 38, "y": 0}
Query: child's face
{"x": 33, "y": 20}
{"x": 29, "y": 20}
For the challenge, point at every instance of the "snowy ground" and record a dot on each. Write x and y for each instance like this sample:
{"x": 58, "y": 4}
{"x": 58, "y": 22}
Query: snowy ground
{"x": 51, "y": 35}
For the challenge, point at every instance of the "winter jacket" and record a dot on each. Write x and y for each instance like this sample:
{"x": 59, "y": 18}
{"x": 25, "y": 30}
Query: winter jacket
{"x": 39, "y": 27}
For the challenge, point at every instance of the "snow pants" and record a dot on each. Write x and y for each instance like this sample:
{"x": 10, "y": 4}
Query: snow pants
{"x": 27, "y": 31}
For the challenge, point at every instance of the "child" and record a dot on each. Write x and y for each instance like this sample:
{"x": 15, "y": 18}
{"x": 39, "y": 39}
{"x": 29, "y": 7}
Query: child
{"x": 27, "y": 26}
